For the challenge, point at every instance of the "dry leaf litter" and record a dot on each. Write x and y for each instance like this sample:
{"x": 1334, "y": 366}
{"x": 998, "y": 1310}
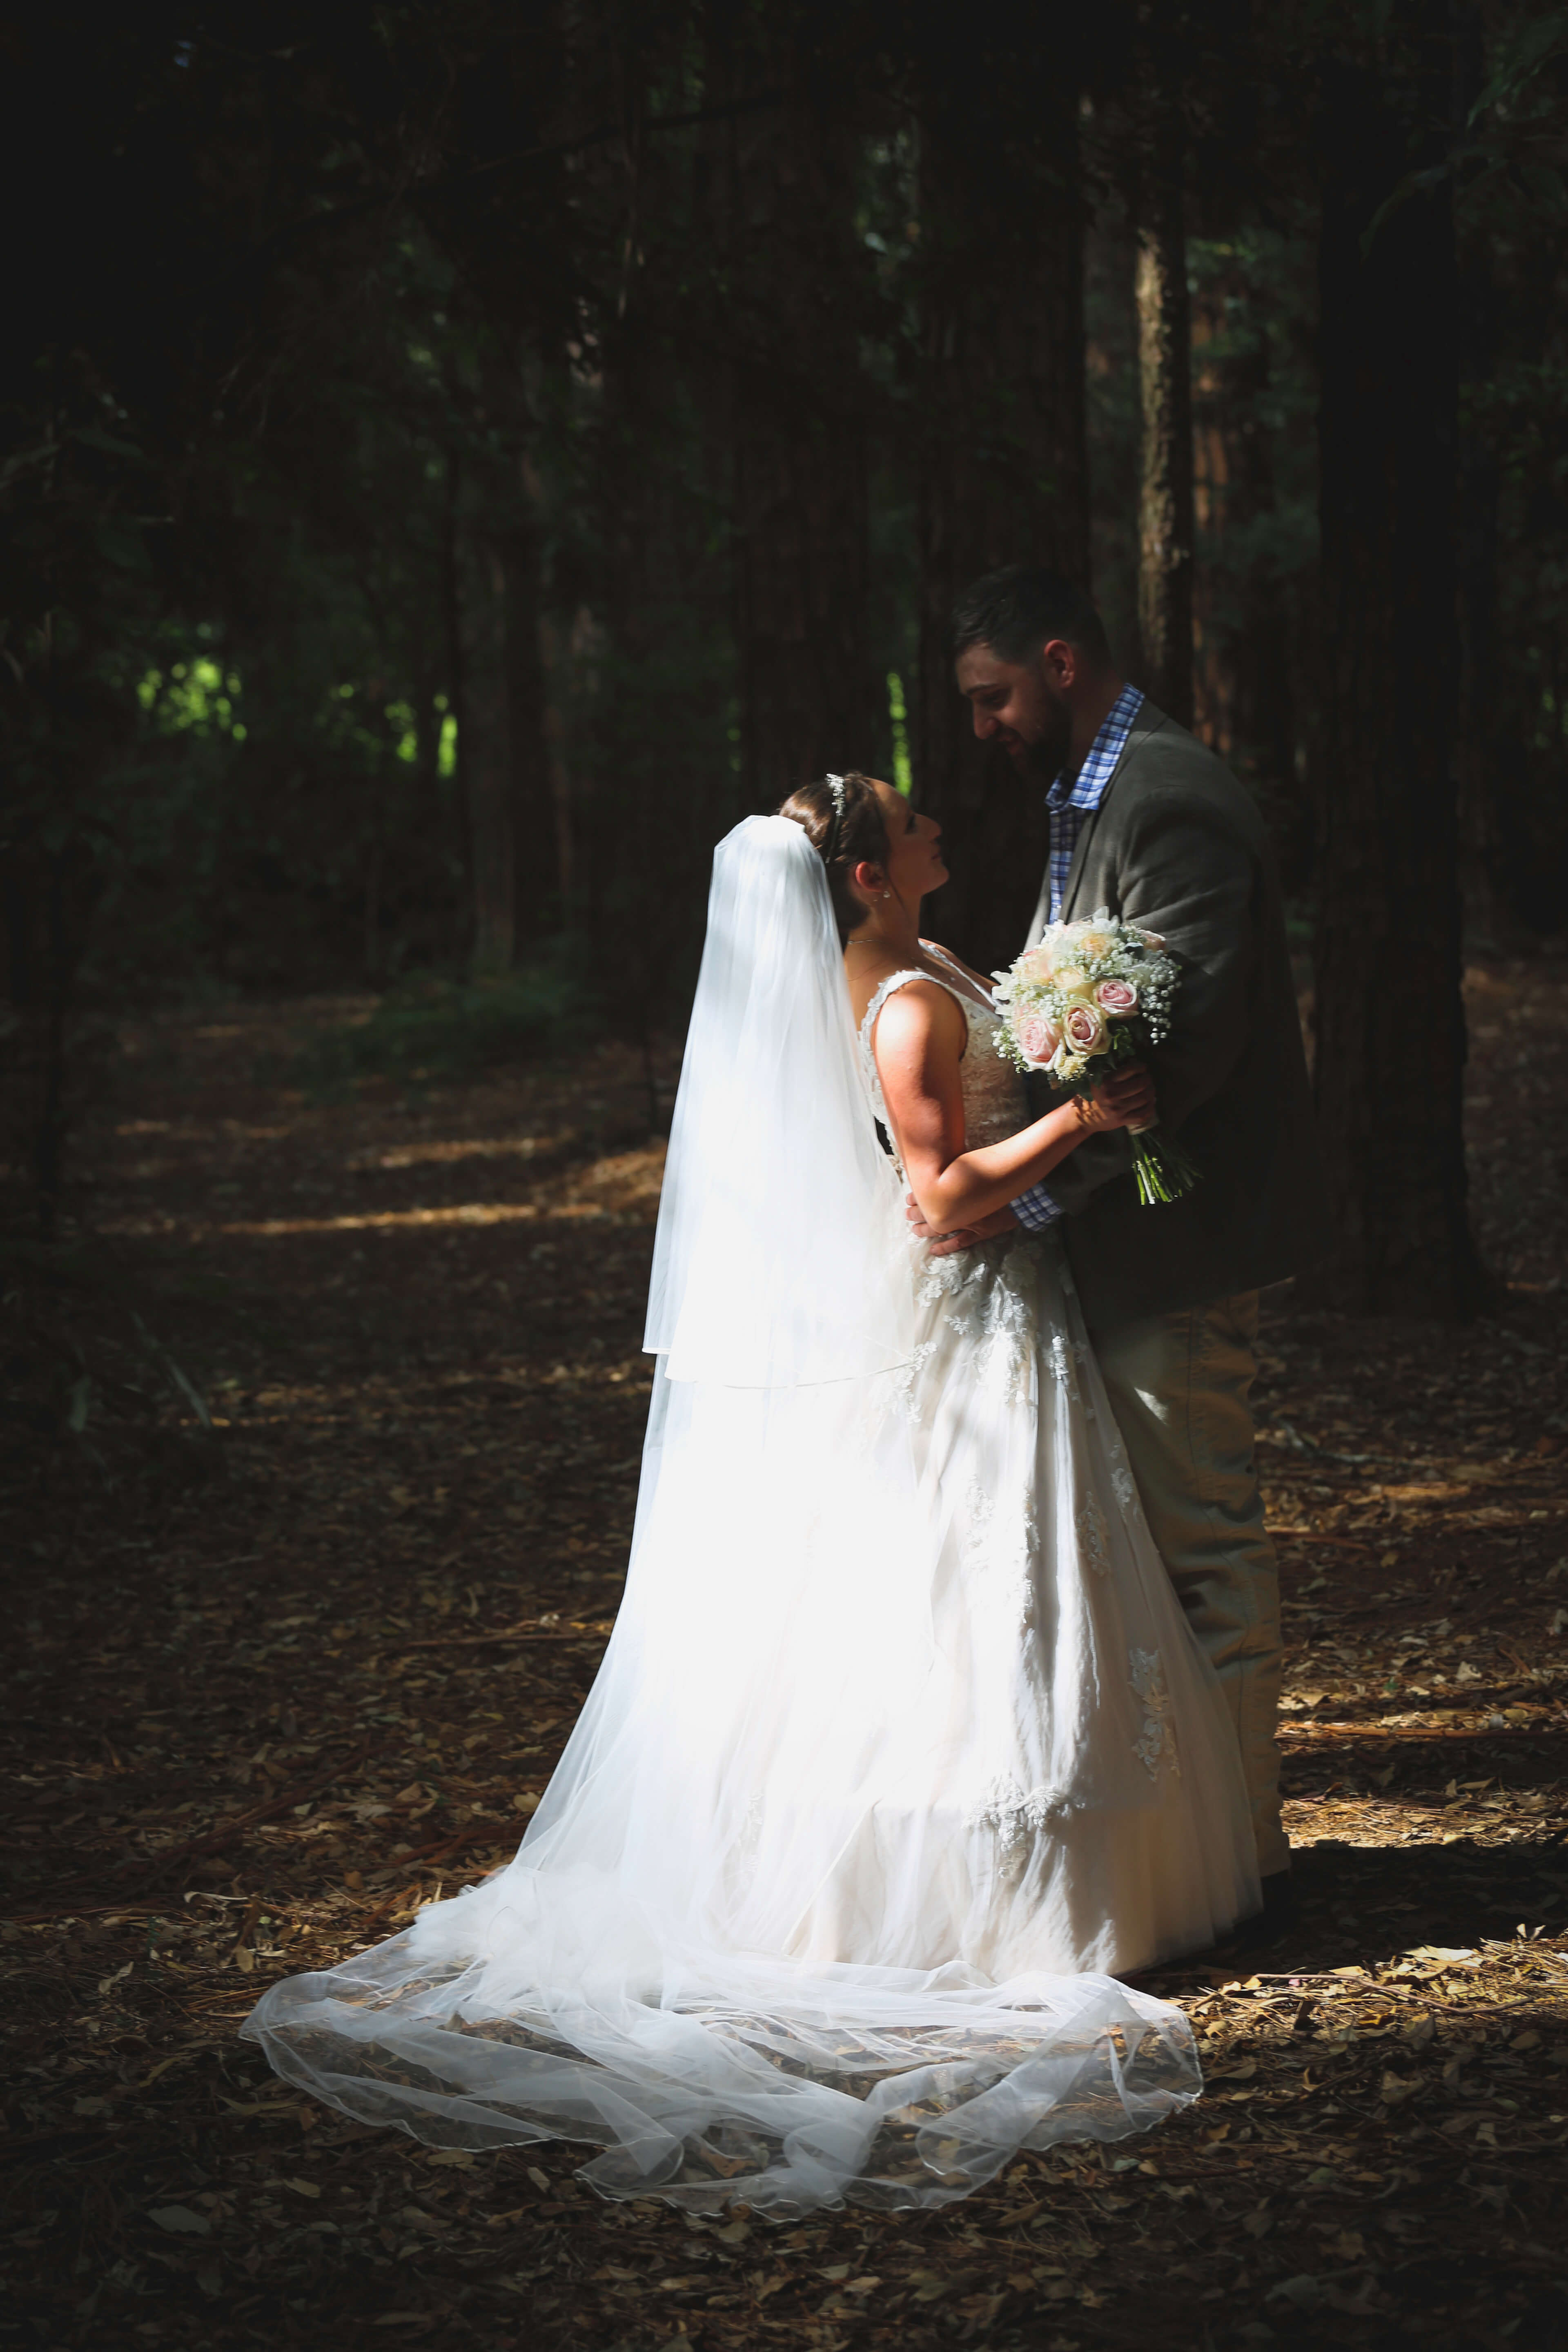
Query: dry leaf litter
{"x": 256, "y": 1720}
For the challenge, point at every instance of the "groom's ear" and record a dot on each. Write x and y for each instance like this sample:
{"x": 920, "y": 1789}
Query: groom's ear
{"x": 1059, "y": 663}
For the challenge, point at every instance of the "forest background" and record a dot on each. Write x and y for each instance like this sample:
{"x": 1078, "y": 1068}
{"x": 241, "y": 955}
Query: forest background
{"x": 460, "y": 457}
{"x": 456, "y": 459}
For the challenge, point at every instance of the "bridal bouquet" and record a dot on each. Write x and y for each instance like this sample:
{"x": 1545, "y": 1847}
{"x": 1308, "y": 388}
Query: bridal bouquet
{"x": 1089, "y": 997}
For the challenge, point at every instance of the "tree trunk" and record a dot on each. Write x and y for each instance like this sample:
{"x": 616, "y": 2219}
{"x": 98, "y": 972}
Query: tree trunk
{"x": 1243, "y": 683}
{"x": 1111, "y": 385}
{"x": 1165, "y": 524}
{"x": 454, "y": 633}
{"x": 1004, "y": 473}
{"x": 802, "y": 585}
{"x": 374, "y": 876}
{"x": 653, "y": 749}
{"x": 1489, "y": 753}
{"x": 1482, "y": 748}
{"x": 802, "y": 567}
{"x": 1390, "y": 1021}
{"x": 556, "y": 663}
{"x": 521, "y": 551}
{"x": 486, "y": 764}
{"x": 505, "y": 763}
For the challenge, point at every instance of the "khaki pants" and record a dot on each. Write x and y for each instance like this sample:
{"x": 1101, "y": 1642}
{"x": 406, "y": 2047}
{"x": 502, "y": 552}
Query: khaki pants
{"x": 1179, "y": 1388}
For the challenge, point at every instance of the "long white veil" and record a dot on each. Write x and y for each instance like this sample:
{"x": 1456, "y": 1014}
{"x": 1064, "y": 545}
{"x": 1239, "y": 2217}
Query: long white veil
{"x": 775, "y": 1257}
{"x": 725, "y": 1953}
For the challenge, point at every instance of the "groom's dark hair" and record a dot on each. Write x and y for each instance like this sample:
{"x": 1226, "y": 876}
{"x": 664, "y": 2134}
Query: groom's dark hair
{"x": 1015, "y": 611}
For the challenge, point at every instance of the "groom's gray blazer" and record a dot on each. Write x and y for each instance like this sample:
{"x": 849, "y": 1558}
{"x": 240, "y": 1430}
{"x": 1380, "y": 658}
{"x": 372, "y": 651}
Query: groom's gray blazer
{"x": 1178, "y": 845}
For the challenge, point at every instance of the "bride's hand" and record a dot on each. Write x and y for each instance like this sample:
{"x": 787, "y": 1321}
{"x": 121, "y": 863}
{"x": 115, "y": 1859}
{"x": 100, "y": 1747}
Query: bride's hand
{"x": 962, "y": 1238}
{"x": 1125, "y": 1100}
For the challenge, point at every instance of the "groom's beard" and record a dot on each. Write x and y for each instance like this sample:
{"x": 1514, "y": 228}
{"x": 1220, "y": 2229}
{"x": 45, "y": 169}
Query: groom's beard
{"x": 1044, "y": 761}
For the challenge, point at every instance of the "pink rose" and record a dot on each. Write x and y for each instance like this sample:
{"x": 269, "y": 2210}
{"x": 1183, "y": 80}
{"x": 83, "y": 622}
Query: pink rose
{"x": 1085, "y": 1029}
{"x": 1116, "y": 997}
{"x": 1037, "y": 964}
{"x": 1038, "y": 1037}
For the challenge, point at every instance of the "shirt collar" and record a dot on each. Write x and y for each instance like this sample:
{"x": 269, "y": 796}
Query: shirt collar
{"x": 1087, "y": 788}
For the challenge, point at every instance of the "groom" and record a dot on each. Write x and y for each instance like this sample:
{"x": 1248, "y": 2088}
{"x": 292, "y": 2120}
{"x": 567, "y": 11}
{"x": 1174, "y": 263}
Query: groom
{"x": 1145, "y": 822}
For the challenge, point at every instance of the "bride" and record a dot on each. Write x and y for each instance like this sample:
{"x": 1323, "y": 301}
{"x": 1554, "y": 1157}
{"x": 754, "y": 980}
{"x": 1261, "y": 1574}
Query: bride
{"x": 901, "y": 1745}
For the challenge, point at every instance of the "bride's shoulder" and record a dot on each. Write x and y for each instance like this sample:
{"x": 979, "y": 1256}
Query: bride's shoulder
{"x": 871, "y": 990}
{"x": 910, "y": 1005}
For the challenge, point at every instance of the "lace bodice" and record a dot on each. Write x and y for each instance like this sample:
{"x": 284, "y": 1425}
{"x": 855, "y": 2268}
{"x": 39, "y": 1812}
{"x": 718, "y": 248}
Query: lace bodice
{"x": 993, "y": 1100}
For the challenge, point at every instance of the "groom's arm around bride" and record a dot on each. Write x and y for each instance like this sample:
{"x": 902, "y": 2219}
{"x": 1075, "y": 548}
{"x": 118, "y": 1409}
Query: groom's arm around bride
{"x": 1146, "y": 822}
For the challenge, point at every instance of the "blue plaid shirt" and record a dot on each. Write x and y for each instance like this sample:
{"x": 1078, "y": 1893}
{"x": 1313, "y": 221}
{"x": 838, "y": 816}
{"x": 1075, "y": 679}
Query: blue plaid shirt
{"x": 1069, "y": 801}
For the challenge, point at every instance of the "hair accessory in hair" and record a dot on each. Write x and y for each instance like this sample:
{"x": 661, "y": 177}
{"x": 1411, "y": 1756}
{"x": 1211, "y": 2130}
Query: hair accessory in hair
{"x": 836, "y": 785}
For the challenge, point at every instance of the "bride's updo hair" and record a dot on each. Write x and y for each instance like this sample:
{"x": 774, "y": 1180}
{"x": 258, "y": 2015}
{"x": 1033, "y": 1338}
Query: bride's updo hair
{"x": 861, "y": 837}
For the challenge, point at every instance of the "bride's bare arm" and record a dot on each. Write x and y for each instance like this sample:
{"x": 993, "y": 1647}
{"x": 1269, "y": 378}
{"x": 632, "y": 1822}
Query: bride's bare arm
{"x": 920, "y": 1040}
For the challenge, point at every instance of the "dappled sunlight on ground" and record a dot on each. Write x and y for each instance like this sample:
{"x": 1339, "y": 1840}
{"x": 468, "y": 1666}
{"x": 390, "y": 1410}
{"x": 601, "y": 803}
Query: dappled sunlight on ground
{"x": 259, "y": 1720}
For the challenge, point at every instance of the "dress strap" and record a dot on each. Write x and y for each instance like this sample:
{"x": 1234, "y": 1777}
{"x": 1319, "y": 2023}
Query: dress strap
{"x": 965, "y": 980}
{"x": 873, "y": 1083}
{"x": 885, "y": 988}
{"x": 897, "y": 979}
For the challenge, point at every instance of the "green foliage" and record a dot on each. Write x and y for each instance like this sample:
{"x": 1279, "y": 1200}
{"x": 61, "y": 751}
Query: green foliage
{"x": 428, "y": 1028}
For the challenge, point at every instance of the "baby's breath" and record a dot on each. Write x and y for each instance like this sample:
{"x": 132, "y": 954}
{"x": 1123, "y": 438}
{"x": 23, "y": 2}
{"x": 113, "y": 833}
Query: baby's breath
{"x": 1089, "y": 997}
{"x": 1091, "y": 951}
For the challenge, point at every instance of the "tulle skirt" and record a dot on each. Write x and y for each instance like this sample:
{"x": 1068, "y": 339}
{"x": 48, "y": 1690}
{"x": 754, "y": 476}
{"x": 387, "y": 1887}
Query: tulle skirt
{"x": 900, "y": 1749}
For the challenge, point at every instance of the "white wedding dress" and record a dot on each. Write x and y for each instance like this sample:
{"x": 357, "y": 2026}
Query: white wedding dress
{"x": 902, "y": 1744}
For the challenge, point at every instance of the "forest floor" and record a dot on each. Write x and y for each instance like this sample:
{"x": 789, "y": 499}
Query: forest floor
{"x": 254, "y": 1720}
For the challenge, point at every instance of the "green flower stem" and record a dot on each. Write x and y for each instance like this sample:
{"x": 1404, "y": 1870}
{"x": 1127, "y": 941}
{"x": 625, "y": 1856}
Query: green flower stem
{"x": 1164, "y": 1172}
